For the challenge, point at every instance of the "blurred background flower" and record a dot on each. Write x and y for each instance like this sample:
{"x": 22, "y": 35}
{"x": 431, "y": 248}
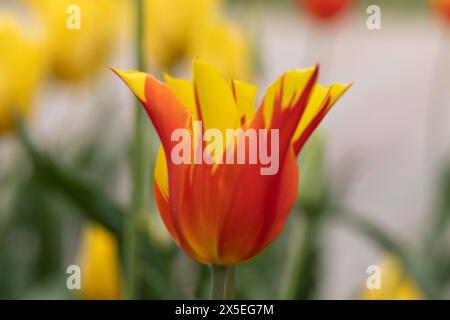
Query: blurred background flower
{"x": 395, "y": 283}
{"x": 176, "y": 32}
{"x": 75, "y": 53}
{"x": 223, "y": 45}
{"x": 23, "y": 65}
{"x": 170, "y": 26}
{"x": 100, "y": 266}
{"x": 324, "y": 9}
{"x": 442, "y": 7}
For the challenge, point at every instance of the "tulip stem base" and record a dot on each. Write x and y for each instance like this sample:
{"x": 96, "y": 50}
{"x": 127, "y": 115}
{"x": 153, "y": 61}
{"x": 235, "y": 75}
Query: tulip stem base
{"x": 222, "y": 282}
{"x": 230, "y": 283}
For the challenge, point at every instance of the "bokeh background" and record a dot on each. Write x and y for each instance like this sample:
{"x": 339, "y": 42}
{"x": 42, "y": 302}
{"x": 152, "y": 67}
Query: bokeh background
{"x": 374, "y": 182}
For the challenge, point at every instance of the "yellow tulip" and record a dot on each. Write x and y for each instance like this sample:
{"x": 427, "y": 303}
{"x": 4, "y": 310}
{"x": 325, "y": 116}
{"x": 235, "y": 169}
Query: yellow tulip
{"x": 22, "y": 69}
{"x": 223, "y": 45}
{"x": 77, "y": 52}
{"x": 100, "y": 268}
{"x": 395, "y": 284}
{"x": 170, "y": 25}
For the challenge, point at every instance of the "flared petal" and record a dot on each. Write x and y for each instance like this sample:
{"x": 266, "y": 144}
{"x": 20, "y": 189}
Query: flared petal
{"x": 287, "y": 89}
{"x": 321, "y": 101}
{"x": 135, "y": 80}
{"x": 285, "y": 103}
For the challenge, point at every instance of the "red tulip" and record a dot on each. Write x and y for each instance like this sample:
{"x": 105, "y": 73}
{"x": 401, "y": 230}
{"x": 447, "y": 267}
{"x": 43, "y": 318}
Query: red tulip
{"x": 443, "y": 8}
{"x": 325, "y": 9}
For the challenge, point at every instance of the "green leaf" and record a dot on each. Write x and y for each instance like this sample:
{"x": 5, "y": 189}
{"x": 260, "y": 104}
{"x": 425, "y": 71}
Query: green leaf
{"x": 64, "y": 181}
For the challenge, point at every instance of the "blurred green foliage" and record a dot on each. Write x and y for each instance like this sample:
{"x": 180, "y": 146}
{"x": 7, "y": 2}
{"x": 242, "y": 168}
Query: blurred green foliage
{"x": 52, "y": 199}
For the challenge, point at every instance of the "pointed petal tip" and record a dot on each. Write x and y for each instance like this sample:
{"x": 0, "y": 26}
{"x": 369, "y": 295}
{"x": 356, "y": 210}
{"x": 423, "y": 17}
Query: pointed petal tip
{"x": 167, "y": 77}
{"x": 135, "y": 80}
{"x": 115, "y": 70}
{"x": 345, "y": 86}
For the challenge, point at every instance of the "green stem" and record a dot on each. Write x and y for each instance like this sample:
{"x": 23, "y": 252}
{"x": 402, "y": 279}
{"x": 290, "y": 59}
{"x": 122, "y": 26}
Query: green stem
{"x": 202, "y": 279}
{"x": 300, "y": 254}
{"x": 230, "y": 283}
{"x": 218, "y": 275}
{"x": 138, "y": 171}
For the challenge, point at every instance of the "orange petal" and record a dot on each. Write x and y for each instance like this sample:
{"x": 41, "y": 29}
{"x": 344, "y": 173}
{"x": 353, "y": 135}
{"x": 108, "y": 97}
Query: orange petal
{"x": 258, "y": 211}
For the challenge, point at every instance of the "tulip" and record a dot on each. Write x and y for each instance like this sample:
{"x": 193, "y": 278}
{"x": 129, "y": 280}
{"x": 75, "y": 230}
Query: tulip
{"x": 22, "y": 70}
{"x": 170, "y": 26}
{"x": 443, "y": 8}
{"x": 221, "y": 213}
{"x": 100, "y": 268}
{"x": 223, "y": 45}
{"x": 324, "y": 9}
{"x": 395, "y": 284}
{"x": 77, "y": 53}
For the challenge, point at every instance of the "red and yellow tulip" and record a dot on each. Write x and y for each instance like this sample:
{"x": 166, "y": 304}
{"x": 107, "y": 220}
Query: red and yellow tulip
{"x": 324, "y": 9}
{"x": 225, "y": 214}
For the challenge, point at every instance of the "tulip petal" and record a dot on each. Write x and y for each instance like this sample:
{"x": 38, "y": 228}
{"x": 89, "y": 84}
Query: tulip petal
{"x": 216, "y": 105}
{"x": 337, "y": 90}
{"x": 254, "y": 219}
{"x": 135, "y": 80}
{"x": 161, "y": 177}
{"x": 163, "y": 107}
{"x": 184, "y": 90}
{"x": 321, "y": 101}
{"x": 290, "y": 85}
{"x": 244, "y": 95}
{"x": 284, "y": 105}
{"x": 167, "y": 114}
{"x": 318, "y": 95}
{"x": 163, "y": 204}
